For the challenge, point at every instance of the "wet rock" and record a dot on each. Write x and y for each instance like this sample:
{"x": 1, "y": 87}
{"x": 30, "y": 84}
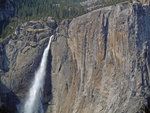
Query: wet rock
{"x": 20, "y": 55}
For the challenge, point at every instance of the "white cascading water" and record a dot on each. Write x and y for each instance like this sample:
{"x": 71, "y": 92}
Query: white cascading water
{"x": 33, "y": 103}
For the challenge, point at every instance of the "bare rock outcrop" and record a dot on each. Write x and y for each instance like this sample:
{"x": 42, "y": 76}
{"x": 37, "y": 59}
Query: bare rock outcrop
{"x": 98, "y": 62}
{"x": 20, "y": 56}
{"x": 109, "y": 62}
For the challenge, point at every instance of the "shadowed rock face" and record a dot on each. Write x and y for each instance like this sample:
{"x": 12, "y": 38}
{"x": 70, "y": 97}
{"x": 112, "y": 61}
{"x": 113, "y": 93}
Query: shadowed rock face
{"x": 98, "y": 62}
{"x": 4, "y": 62}
{"x": 23, "y": 51}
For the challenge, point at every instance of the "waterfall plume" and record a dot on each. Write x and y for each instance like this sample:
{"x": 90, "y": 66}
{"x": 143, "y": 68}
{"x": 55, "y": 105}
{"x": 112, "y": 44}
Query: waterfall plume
{"x": 33, "y": 103}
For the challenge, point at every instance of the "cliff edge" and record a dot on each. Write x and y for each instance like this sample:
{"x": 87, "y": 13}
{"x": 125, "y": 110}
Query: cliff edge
{"x": 98, "y": 62}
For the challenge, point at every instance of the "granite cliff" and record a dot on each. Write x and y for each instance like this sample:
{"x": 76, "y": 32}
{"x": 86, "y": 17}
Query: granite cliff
{"x": 98, "y": 62}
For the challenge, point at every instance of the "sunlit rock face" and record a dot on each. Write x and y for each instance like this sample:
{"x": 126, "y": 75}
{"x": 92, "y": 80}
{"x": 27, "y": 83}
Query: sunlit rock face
{"x": 108, "y": 57}
{"x": 98, "y": 62}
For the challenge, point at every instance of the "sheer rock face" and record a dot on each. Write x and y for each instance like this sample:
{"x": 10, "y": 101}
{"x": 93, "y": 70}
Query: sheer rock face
{"x": 98, "y": 62}
{"x": 23, "y": 51}
{"x": 109, "y": 61}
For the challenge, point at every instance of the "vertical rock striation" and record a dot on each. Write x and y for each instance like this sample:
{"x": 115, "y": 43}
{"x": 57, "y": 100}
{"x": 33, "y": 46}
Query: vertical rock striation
{"x": 99, "y": 62}
{"x": 107, "y": 51}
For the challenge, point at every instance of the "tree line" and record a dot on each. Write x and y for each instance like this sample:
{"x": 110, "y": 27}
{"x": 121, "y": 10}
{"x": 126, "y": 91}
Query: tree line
{"x": 26, "y": 10}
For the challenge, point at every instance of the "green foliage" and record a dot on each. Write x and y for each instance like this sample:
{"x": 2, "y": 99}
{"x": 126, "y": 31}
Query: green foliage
{"x": 35, "y": 9}
{"x": 103, "y": 3}
{"x": 26, "y": 10}
{"x": 114, "y": 2}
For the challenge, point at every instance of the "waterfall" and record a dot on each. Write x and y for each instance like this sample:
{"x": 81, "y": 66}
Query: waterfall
{"x": 33, "y": 103}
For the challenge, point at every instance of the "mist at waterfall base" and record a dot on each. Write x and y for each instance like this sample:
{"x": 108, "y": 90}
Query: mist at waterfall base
{"x": 33, "y": 103}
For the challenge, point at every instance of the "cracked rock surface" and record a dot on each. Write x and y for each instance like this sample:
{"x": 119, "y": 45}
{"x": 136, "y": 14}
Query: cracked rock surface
{"x": 98, "y": 62}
